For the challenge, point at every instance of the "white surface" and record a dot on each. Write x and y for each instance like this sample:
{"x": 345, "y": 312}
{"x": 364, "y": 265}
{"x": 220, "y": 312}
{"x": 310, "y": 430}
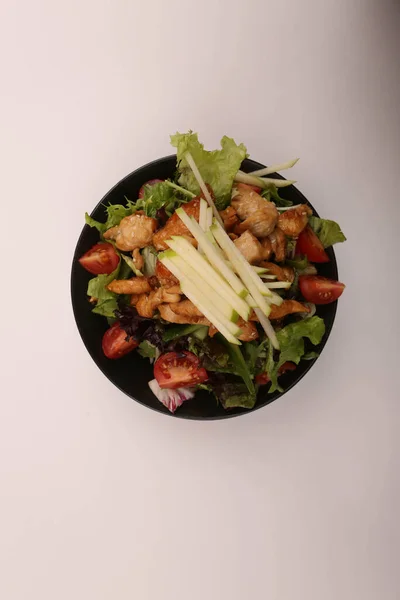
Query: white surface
{"x": 100, "y": 498}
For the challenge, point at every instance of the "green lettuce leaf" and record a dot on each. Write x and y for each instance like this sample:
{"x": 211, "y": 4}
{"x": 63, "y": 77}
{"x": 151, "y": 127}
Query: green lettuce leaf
{"x": 329, "y": 232}
{"x": 147, "y": 349}
{"x": 106, "y": 307}
{"x": 129, "y": 261}
{"x": 218, "y": 167}
{"x": 291, "y": 342}
{"x": 97, "y": 285}
{"x": 272, "y": 195}
{"x": 239, "y": 363}
{"x": 158, "y": 196}
{"x": 101, "y": 227}
{"x": 150, "y": 259}
{"x": 234, "y": 395}
{"x": 176, "y": 331}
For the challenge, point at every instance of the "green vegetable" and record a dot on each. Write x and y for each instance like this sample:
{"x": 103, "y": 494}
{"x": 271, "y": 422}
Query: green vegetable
{"x": 106, "y": 307}
{"x": 235, "y": 395}
{"x": 310, "y": 356}
{"x": 157, "y": 196}
{"x": 97, "y": 285}
{"x": 291, "y": 342}
{"x": 101, "y": 227}
{"x": 116, "y": 212}
{"x": 218, "y": 168}
{"x": 241, "y": 368}
{"x": 150, "y": 259}
{"x": 272, "y": 195}
{"x": 177, "y": 331}
{"x": 329, "y": 232}
{"x": 129, "y": 261}
{"x": 298, "y": 262}
{"x": 147, "y": 349}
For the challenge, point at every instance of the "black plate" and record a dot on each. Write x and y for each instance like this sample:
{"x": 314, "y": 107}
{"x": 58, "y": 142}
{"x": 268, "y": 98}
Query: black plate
{"x": 132, "y": 373}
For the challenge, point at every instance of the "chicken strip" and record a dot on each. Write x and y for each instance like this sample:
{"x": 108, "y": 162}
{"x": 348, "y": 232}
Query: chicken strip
{"x": 281, "y": 273}
{"x": 293, "y": 221}
{"x": 256, "y": 213}
{"x": 288, "y": 307}
{"x": 174, "y": 226}
{"x": 136, "y": 285}
{"x": 229, "y": 218}
{"x": 135, "y": 231}
{"x": 147, "y": 304}
{"x": 250, "y": 247}
{"x": 169, "y": 315}
{"x": 278, "y": 244}
{"x": 164, "y": 275}
{"x": 249, "y": 330}
{"x": 137, "y": 259}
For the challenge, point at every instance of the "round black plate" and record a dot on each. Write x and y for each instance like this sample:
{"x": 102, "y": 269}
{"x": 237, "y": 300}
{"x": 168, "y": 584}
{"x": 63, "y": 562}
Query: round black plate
{"x": 132, "y": 373}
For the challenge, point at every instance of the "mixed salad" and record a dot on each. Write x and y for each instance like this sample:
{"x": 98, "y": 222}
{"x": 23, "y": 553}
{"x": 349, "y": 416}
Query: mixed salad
{"x": 212, "y": 276}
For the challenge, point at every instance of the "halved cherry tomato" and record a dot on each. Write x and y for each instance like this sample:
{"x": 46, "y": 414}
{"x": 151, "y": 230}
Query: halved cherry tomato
{"x": 263, "y": 378}
{"x": 320, "y": 290}
{"x": 178, "y": 369}
{"x": 114, "y": 342}
{"x": 150, "y": 182}
{"x": 101, "y": 259}
{"x": 309, "y": 244}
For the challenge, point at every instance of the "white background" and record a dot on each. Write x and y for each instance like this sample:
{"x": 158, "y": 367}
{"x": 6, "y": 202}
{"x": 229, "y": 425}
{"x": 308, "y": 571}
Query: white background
{"x": 102, "y": 499}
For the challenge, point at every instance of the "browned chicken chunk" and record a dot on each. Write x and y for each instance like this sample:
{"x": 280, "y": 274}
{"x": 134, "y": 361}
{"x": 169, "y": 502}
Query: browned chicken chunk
{"x": 147, "y": 304}
{"x": 249, "y": 330}
{"x": 135, "y": 231}
{"x": 278, "y": 244}
{"x": 136, "y": 285}
{"x": 164, "y": 275}
{"x": 250, "y": 247}
{"x": 256, "y": 213}
{"x": 137, "y": 259}
{"x": 293, "y": 221}
{"x": 174, "y": 226}
{"x": 229, "y": 218}
{"x": 288, "y": 307}
{"x": 167, "y": 313}
{"x": 281, "y": 273}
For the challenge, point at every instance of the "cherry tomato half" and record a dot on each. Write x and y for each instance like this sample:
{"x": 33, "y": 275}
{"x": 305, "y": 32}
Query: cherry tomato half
{"x": 320, "y": 290}
{"x": 263, "y": 378}
{"x": 101, "y": 259}
{"x": 150, "y": 182}
{"x": 114, "y": 342}
{"x": 309, "y": 244}
{"x": 178, "y": 369}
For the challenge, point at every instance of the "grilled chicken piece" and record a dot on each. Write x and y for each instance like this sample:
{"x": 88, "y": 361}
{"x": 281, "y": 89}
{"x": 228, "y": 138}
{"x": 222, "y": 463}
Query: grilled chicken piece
{"x": 281, "y": 273}
{"x": 137, "y": 259}
{"x": 278, "y": 244}
{"x": 249, "y": 330}
{"x": 147, "y": 304}
{"x": 186, "y": 308}
{"x": 164, "y": 275}
{"x": 136, "y": 285}
{"x": 229, "y": 218}
{"x": 169, "y": 315}
{"x": 257, "y": 214}
{"x": 293, "y": 221}
{"x": 288, "y": 307}
{"x": 250, "y": 247}
{"x": 174, "y": 226}
{"x": 135, "y": 231}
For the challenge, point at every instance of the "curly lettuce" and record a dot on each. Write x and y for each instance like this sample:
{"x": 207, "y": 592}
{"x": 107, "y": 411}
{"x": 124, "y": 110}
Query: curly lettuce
{"x": 329, "y": 232}
{"x": 218, "y": 167}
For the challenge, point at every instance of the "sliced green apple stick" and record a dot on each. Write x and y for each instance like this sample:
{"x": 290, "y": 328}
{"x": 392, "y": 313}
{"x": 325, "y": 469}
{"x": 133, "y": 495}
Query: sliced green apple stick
{"x": 212, "y": 254}
{"x": 274, "y": 168}
{"x": 196, "y": 278}
{"x": 253, "y": 283}
{"x": 203, "y": 214}
{"x": 262, "y": 183}
{"x": 201, "y": 302}
{"x": 209, "y": 217}
{"x": 276, "y": 285}
{"x": 189, "y": 254}
{"x": 266, "y": 325}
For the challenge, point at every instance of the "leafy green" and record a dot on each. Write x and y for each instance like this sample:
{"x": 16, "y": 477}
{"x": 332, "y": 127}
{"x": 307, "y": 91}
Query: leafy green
{"x": 150, "y": 259}
{"x": 97, "y": 285}
{"x": 298, "y": 262}
{"x": 272, "y": 194}
{"x": 291, "y": 342}
{"x": 101, "y": 227}
{"x": 106, "y": 307}
{"x": 116, "y": 212}
{"x": 129, "y": 261}
{"x": 212, "y": 354}
{"x": 176, "y": 331}
{"x": 234, "y": 395}
{"x": 157, "y": 196}
{"x": 241, "y": 368}
{"x": 310, "y": 356}
{"x": 218, "y": 168}
{"x": 147, "y": 349}
{"x": 329, "y": 232}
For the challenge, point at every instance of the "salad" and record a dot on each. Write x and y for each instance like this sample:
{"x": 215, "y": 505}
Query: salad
{"x": 212, "y": 276}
